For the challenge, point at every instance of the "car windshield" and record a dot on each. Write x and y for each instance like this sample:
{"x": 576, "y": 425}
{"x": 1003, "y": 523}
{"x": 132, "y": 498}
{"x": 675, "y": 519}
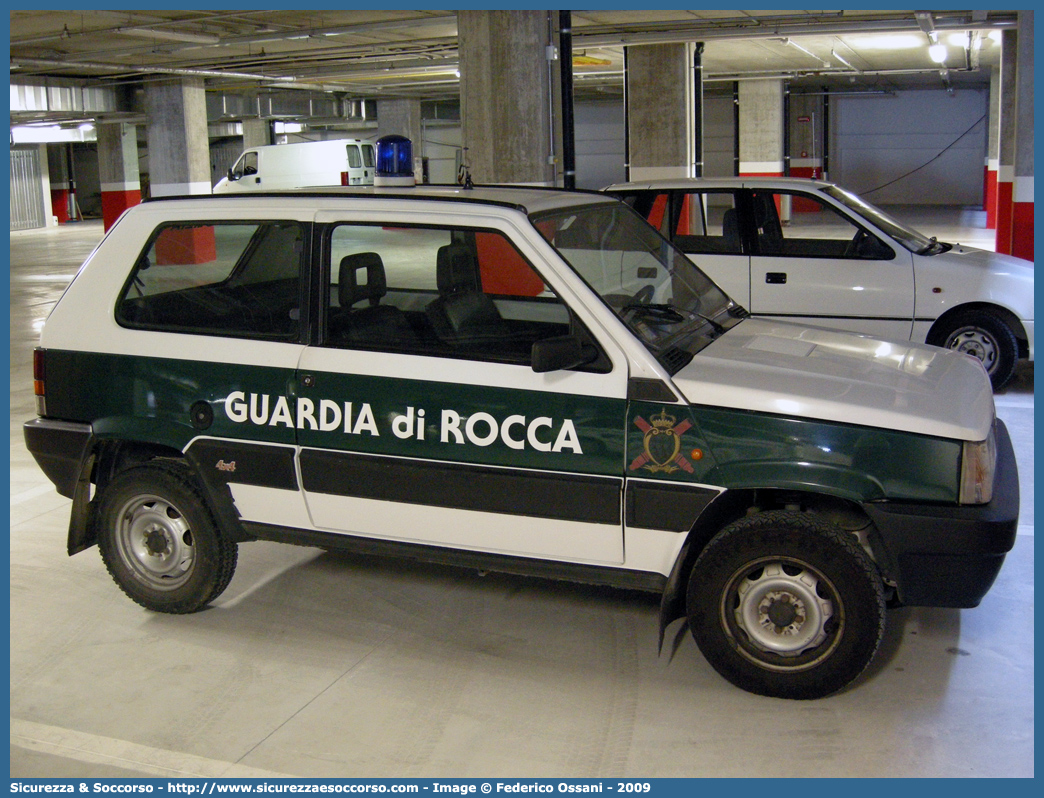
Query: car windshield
{"x": 673, "y": 307}
{"x": 907, "y": 236}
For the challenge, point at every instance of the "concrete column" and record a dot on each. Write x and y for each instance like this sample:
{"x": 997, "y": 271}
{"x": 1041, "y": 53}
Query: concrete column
{"x": 989, "y": 188}
{"x": 761, "y": 127}
{"x": 400, "y": 118}
{"x": 61, "y": 185}
{"x": 1006, "y": 152}
{"x": 1022, "y": 210}
{"x": 256, "y": 132}
{"x": 179, "y": 149}
{"x": 660, "y": 111}
{"x": 506, "y": 97}
{"x": 117, "y": 169}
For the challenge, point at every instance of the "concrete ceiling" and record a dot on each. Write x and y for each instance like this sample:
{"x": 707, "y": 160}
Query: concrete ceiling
{"x": 367, "y": 54}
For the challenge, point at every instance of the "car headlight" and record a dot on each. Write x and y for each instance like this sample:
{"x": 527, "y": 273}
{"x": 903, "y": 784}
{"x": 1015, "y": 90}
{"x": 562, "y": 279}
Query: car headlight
{"x": 978, "y": 467}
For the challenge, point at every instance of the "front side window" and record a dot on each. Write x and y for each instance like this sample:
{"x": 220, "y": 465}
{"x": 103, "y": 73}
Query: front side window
{"x": 673, "y": 307}
{"x": 438, "y": 291}
{"x": 907, "y": 236}
{"x": 246, "y": 165}
{"x": 239, "y": 279}
{"x": 801, "y": 226}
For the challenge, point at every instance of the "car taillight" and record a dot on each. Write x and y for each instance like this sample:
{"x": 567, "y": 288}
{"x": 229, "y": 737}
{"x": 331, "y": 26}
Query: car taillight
{"x": 344, "y": 178}
{"x": 39, "y": 375}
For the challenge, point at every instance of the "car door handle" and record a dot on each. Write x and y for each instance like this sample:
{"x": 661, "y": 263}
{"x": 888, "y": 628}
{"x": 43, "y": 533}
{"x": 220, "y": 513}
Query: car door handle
{"x": 776, "y": 278}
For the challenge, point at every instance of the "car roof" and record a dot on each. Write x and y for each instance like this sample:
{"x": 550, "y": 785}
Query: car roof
{"x": 527, "y": 199}
{"x": 721, "y": 182}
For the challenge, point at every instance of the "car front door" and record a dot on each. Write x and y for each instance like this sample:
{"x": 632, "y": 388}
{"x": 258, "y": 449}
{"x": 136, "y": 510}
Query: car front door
{"x": 814, "y": 264}
{"x": 705, "y": 225}
{"x": 420, "y": 416}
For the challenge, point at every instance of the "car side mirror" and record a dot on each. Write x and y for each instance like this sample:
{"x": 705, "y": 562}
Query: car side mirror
{"x": 231, "y": 174}
{"x": 560, "y": 353}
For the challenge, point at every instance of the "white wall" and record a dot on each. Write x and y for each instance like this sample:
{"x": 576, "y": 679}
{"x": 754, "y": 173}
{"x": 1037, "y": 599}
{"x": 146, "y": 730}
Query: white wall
{"x": 599, "y": 138}
{"x": 878, "y": 138}
{"x": 441, "y": 146}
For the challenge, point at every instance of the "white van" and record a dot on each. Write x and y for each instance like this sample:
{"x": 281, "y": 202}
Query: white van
{"x": 338, "y": 162}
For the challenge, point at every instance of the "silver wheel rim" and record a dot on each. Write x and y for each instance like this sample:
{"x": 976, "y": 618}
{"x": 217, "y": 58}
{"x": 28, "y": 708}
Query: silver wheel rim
{"x": 976, "y": 342}
{"x": 782, "y": 614}
{"x": 155, "y": 542}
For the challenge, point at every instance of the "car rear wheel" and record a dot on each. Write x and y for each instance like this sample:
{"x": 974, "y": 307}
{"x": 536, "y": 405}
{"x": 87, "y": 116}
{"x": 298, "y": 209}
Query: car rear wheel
{"x": 783, "y": 604}
{"x": 159, "y": 541}
{"x": 983, "y": 335}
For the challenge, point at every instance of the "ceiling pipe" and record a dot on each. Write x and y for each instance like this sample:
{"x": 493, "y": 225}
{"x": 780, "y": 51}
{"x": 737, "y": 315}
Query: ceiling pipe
{"x": 775, "y": 31}
{"x": 41, "y": 63}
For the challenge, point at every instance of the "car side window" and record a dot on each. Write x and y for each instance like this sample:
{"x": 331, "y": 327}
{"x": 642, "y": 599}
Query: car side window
{"x": 239, "y": 279}
{"x": 706, "y": 222}
{"x": 794, "y": 224}
{"x": 444, "y": 292}
{"x": 651, "y": 206}
{"x": 354, "y": 158}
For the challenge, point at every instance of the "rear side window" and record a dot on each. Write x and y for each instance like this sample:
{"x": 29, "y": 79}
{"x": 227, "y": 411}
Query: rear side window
{"x": 239, "y": 279}
{"x": 354, "y": 159}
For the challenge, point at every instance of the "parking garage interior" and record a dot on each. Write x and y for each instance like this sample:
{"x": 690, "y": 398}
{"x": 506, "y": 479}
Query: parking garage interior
{"x": 319, "y": 664}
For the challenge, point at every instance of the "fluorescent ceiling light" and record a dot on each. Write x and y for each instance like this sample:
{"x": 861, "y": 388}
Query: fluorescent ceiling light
{"x": 937, "y": 52}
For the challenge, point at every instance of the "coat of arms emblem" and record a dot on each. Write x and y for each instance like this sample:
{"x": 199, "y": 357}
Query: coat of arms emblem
{"x": 661, "y": 444}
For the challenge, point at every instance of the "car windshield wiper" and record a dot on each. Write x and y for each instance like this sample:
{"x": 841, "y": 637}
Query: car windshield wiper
{"x": 935, "y": 246}
{"x": 665, "y": 312}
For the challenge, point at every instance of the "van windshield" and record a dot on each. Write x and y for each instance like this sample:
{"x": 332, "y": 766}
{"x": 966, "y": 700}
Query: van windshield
{"x": 670, "y": 305}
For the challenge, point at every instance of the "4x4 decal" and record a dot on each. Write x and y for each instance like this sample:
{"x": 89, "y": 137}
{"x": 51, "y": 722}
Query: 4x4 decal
{"x": 661, "y": 444}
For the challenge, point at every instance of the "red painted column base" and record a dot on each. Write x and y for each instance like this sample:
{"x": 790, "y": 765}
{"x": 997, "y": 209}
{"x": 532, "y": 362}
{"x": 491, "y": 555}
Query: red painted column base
{"x": 186, "y": 245}
{"x": 116, "y": 202}
{"x": 991, "y": 199}
{"x": 1022, "y": 230}
{"x": 60, "y": 204}
{"x": 1004, "y": 213}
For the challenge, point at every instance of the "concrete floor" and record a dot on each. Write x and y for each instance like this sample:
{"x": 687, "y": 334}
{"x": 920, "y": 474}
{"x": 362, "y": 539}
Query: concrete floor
{"x": 318, "y": 664}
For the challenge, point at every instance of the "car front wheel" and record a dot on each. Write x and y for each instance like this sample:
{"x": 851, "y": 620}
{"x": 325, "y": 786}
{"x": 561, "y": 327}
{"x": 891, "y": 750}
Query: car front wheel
{"x": 785, "y": 605}
{"x": 983, "y": 335}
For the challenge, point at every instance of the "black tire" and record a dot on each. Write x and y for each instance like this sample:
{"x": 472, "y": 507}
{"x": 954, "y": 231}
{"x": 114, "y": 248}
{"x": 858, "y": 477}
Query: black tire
{"x": 160, "y": 542}
{"x": 783, "y": 604}
{"x": 984, "y": 335}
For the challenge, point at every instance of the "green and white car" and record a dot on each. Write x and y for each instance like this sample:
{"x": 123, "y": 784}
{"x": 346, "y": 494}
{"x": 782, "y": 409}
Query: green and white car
{"x": 515, "y": 379}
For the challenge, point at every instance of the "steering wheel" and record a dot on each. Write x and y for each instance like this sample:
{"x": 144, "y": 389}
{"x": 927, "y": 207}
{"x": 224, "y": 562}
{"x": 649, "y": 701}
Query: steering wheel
{"x": 856, "y": 244}
{"x": 643, "y": 296}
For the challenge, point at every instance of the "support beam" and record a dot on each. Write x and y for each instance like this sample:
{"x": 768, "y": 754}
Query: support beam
{"x": 659, "y": 111}
{"x": 117, "y": 169}
{"x": 507, "y": 106}
{"x": 1022, "y": 208}
{"x": 179, "y": 152}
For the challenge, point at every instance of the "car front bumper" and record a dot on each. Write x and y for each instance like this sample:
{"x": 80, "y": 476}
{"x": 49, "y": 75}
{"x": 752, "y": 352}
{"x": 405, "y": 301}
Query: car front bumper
{"x": 949, "y": 555}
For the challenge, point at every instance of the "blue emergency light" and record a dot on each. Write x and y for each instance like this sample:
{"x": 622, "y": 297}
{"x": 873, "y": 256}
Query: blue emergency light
{"x": 394, "y": 162}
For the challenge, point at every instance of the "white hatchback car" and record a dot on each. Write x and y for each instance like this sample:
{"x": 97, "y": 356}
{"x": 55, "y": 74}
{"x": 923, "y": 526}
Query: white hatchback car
{"x": 812, "y": 252}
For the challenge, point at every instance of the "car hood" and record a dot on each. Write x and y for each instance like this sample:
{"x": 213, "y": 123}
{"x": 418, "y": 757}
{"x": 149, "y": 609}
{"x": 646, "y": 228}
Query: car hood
{"x": 985, "y": 258}
{"x": 809, "y": 372}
